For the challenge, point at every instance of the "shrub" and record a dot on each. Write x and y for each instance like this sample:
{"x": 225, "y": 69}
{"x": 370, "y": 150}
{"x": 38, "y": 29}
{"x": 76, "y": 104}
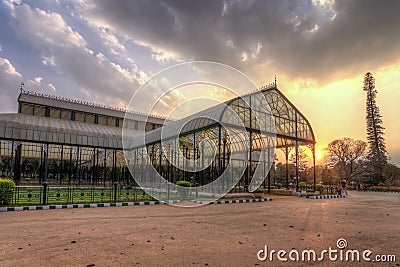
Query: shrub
{"x": 183, "y": 188}
{"x": 319, "y": 187}
{"x": 279, "y": 185}
{"x": 258, "y": 192}
{"x": 351, "y": 187}
{"x": 7, "y": 188}
{"x": 27, "y": 180}
{"x": 184, "y": 183}
{"x": 302, "y": 184}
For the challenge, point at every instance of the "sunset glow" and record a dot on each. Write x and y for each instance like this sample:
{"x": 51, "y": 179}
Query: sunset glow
{"x": 319, "y": 52}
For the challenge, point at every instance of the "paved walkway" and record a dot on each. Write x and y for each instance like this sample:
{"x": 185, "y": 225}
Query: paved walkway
{"x": 212, "y": 235}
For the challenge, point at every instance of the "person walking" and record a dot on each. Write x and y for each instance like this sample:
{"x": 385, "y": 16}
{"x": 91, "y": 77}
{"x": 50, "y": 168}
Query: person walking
{"x": 339, "y": 188}
{"x": 344, "y": 190}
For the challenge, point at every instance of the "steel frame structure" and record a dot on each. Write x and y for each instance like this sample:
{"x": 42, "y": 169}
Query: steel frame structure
{"x": 94, "y": 154}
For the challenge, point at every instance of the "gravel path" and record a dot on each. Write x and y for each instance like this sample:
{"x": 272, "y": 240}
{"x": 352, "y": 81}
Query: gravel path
{"x": 213, "y": 235}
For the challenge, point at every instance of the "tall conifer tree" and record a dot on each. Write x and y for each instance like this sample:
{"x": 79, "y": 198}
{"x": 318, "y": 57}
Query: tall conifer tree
{"x": 377, "y": 155}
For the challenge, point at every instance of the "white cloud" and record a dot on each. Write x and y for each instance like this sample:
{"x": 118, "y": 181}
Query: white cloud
{"x": 38, "y": 79}
{"x": 244, "y": 56}
{"x": 51, "y": 87}
{"x": 45, "y": 28}
{"x": 66, "y": 50}
{"x": 7, "y": 68}
{"x": 9, "y": 87}
{"x": 163, "y": 57}
{"x": 111, "y": 40}
{"x": 10, "y": 80}
{"x": 10, "y": 4}
{"x": 48, "y": 60}
{"x": 230, "y": 44}
{"x": 38, "y": 85}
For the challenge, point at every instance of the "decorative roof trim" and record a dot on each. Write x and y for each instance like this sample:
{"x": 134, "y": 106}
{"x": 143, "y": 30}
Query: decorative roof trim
{"x": 86, "y": 103}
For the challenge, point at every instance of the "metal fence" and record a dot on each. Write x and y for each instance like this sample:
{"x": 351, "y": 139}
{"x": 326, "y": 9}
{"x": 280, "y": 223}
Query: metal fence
{"x": 53, "y": 195}
{"x": 327, "y": 190}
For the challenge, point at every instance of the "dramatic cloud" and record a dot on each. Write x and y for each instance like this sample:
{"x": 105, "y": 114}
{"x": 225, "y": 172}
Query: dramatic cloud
{"x": 102, "y": 51}
{"x": 316, "y": 40}
{"x": 45, "y": 28}
{"x": 65, "y": 49}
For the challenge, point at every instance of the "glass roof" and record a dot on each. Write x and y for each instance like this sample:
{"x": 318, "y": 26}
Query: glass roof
{"x": 289, "y": 123}
{"x": 31, "y": 128}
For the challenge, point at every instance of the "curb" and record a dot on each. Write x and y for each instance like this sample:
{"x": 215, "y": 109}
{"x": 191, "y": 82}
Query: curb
{"x": 324, "y": 197}
{"x": 92, "y": 205}
{"x": 124, "y": 204}
{"x": 369, "y": 191}
{"x": 234, "y": 201}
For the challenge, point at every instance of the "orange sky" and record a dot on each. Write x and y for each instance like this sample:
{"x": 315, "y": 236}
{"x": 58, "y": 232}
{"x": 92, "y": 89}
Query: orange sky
{"x": 337, "y": 109}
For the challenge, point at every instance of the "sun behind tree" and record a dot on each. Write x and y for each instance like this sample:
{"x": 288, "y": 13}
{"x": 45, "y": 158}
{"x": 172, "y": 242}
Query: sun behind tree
{"x": 319, "y": 154}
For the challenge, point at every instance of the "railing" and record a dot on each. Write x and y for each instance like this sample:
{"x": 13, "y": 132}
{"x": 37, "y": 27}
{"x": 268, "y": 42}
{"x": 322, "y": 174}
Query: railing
{"x": 54, "y": 195}
{"x": 328, "y": 189}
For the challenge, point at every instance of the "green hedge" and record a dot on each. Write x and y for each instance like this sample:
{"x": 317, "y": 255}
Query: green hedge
{"x": 302, "y": 184}
{"x": 258, "y": 190}
{"x": 319, "y": 187}
{"x": 183, "y": 188}
{"x": 7, "y": 188}
{"x": 184, "y": 183}
{"x": 383, "y": 189}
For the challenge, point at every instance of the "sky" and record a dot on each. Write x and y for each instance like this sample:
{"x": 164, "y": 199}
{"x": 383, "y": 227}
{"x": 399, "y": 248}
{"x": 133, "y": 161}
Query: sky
{"x": 102, "y": 51}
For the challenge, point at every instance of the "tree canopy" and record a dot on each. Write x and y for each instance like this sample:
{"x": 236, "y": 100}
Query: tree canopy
{"x": 344, "y": 154}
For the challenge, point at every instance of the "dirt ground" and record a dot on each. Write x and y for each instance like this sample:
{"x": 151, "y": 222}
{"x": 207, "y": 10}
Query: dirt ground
{"x": 212, "y": 235}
